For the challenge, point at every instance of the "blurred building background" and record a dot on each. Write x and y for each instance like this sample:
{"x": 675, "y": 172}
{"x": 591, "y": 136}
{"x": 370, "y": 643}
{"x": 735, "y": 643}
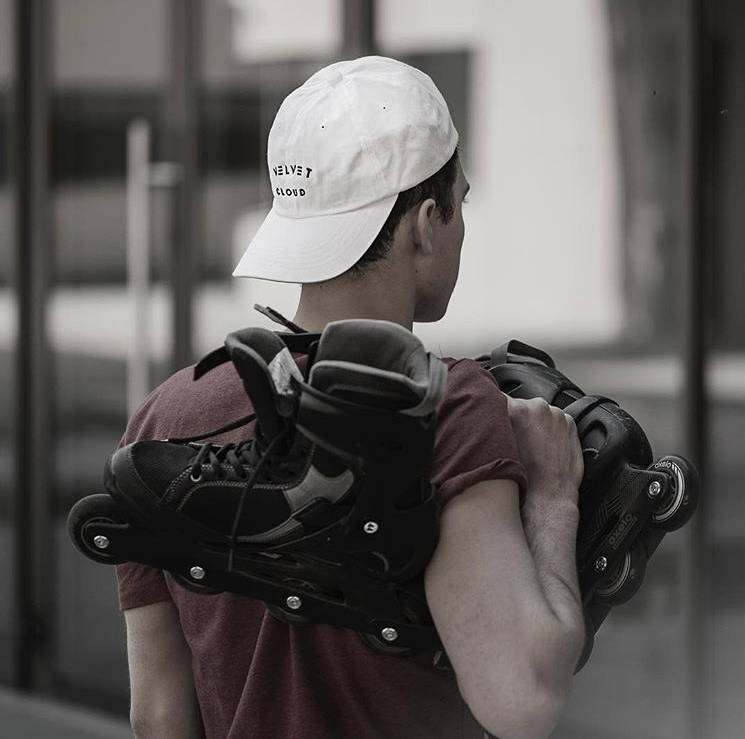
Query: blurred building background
{"x": 605, "y": 224}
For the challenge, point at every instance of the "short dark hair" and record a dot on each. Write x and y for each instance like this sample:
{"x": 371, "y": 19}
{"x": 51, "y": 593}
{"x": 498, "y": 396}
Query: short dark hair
{"x": 439, "y": 187}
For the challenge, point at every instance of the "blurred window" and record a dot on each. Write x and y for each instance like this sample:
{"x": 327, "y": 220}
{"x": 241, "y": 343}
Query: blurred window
{"x": 89, "y": 132}
{"x": 7, "y": 348}
{"x": 5, "y": 110}
{"x": 726, "y": 332}
{"x": 109, "y": 68}
{"x": 728, "y": 152}
{"x": 254, "y": 54}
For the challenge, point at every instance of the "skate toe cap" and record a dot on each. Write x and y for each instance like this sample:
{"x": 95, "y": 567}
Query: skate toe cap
{"x": 148, "y": 467}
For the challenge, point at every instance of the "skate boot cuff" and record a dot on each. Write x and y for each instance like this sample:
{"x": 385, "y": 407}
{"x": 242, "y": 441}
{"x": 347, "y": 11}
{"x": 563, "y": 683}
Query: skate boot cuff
{"x": 380, "y": 364}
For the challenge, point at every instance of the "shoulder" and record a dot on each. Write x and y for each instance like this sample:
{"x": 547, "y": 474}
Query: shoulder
{"x": 468, "y": 373}
{"x": 474, "y": 440}
{"x": 181, "y": 406}
{"x": 470, "y": 389}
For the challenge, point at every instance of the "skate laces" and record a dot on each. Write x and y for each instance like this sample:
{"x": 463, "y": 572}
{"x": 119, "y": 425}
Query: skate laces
{"x": 264, "y": 456}
{"x": 251, "y": 452}
{"x": 255, "y": 453}
{"x": 215, "y": 456}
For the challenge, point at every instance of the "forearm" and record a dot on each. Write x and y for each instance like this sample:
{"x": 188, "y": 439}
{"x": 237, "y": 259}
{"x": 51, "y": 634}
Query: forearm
{"x": 164, "y": 700}
{"x": 179, "y": 722}
{"x": 488, "y": 604}
{"x": 550, "y": 523}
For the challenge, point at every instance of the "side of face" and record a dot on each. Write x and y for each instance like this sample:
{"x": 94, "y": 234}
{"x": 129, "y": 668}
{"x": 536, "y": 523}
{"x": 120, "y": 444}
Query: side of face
{"x": 437, "y": 259}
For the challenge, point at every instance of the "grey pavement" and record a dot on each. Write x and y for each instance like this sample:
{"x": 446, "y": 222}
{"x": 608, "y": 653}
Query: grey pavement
{"x": 31, "y": 717}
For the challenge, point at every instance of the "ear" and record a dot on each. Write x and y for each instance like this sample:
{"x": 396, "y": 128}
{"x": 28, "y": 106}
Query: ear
{"x": 425, "y": 215}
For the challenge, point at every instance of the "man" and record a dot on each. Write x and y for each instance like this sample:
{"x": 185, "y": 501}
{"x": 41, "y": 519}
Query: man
{"x": 368, "y": 193}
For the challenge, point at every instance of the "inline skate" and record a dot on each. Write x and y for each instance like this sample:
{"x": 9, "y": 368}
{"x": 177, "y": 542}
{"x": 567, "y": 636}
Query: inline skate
{"x": 327, "y": 514}
{"x": 627, "y": 500}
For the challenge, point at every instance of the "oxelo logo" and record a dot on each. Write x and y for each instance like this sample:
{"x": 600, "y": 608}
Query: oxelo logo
{"x": 666, "y": 464}
{"x": 619, "y": 533}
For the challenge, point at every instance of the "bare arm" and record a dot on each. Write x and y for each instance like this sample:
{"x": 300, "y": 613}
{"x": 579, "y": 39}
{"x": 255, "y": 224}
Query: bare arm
{"x": 504, "y": 598}
{"x": 552, "y": 456}
{"x": 164, "y": 702}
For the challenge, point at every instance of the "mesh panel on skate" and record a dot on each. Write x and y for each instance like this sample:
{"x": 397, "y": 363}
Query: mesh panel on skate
{"x": 157, "y": 463}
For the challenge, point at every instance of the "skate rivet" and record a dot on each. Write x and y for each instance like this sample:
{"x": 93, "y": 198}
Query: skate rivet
{"x": 389, "y": 634}
{"x": 370, "y": 527}
{"x": 197, "y": 573}
{"x": 294, "y": 602}
{"x": 654, "y": 489}
{"x": 101, "y": 542}
{"x": 601, "y": 563}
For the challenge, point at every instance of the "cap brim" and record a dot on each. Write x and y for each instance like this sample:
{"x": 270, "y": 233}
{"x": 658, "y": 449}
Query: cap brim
{"x": 312, "y": 249}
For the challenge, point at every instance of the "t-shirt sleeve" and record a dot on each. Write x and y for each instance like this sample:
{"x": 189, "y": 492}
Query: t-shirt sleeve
{"x": 138, "y": 584}
{"x": 474, "y": 439}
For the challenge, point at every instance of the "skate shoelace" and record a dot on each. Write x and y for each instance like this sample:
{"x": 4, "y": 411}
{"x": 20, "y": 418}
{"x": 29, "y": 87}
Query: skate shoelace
{"x": 250, "y": 453}
{"x": 263, "y": 455}
{"x": 254, "y": 453}
{"x": 216, "y": 455}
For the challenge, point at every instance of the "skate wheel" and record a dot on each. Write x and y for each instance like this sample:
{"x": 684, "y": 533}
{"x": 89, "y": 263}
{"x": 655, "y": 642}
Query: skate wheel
{"x": 679, "y": 504}
{"x": 99, "y": 508}
{"x": 625, "y": 580}
{"x": 193, "y": 585}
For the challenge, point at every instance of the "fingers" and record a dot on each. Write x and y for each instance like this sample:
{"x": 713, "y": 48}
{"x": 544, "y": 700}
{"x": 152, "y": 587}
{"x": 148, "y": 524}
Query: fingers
{"x": 547, "y": 438}
{"x": 537, "y": 410}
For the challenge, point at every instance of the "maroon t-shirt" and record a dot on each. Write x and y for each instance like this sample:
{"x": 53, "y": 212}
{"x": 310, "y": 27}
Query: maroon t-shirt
{"x": 259, "y": 678}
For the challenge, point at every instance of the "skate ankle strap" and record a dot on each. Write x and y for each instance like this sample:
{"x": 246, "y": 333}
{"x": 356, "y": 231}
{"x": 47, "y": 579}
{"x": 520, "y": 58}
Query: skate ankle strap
{"x": 515, "y": 350}
{"x": 303, "y": 343}
{"x": 277, "y": 317}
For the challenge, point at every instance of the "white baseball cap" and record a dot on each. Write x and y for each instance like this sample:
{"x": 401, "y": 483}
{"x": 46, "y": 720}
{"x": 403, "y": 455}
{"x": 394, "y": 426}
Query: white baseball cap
{"x": 341, "y": 148}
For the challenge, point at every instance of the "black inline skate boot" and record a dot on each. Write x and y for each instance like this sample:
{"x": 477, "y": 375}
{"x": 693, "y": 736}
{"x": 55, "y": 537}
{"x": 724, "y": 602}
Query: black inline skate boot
{"x": 325, "y": 515}
{"x": 627, "y": 501}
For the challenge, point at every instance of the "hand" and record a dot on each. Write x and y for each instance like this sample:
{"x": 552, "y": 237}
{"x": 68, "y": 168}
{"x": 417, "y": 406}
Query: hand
{"x": 549, "y": 447}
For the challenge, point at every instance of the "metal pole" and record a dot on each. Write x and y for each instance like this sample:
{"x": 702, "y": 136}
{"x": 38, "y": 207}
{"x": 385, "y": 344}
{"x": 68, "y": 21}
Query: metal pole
{"x": 358, "y": 28}
{"x": 138, "y": 261}
{"x": 29, "y": 160}
{"x": 182, "y": 140}
{"x": 696, "y": 355}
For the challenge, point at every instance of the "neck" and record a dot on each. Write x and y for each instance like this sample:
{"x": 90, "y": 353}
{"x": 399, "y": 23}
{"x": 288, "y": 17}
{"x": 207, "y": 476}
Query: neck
{"x": 378, "y": 295}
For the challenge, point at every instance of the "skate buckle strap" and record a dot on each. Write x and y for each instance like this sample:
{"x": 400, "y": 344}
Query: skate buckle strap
{"x": 515, "y": 350}
{"x": 581, "y": 407}
{"x": 301, "y": 343}
{"x": 277, "y": 317}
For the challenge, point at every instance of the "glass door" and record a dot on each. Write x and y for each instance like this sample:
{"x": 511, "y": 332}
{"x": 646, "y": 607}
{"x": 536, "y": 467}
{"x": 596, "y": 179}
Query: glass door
{"x": 109, "y": 306}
